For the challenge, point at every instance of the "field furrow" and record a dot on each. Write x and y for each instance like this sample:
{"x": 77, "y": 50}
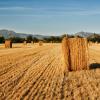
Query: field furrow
{"x": 37, "y": 73}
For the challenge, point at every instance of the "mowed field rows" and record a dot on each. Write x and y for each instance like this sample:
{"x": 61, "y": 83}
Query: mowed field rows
{"x": 36, "y": 72}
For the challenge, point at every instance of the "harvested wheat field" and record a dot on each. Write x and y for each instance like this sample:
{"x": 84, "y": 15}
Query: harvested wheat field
{"x": 34, "y": 72}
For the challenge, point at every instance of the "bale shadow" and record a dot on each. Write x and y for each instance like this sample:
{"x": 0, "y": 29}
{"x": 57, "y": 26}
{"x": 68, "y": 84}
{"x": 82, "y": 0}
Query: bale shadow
{"x": 94, "y": 65}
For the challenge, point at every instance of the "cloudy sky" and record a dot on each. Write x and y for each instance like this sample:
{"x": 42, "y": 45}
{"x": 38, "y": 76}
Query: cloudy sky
{"x": 50, "y": 17}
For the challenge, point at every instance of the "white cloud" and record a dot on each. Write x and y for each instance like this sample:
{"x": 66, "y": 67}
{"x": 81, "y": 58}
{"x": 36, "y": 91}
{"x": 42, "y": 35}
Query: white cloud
{"x": 52, "y": 11}
{"x": 14, "y": 8}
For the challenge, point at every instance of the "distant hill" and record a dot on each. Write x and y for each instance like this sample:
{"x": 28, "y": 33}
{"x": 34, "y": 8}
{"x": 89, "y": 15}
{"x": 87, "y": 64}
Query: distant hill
{"x": 94, "y": 36}
{"x": 84, "y": 34}
{"x": 7, "y": 34}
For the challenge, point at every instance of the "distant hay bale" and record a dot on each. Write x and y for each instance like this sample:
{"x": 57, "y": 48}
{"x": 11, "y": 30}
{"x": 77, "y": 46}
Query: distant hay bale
{"x": 40, "y": 43}
{"x": 32, "y": 42}
{"x": 51, "y": 41}
{"x": 76, "y": 53}
{"x": 8, "y": 44}
{"x": 25, "y": 42}
{"x": 96, "y": 43}
{"x": 90, "y": 43}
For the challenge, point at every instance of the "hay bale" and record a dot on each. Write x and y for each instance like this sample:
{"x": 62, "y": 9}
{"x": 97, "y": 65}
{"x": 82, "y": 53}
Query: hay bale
{"x": 40, "y": 43}
{"x": 66, "y": 55}
{"x": 8, "y": 44}
{"x": 32, "y": 42}
{"x": 25, "y": 42}
{"x": 90, "y": 43}
{"x": 76, "y": 54}
{"x": 96, "y": 43}
{"x": 79, "y": 53}
{"x": 51, "y": 41}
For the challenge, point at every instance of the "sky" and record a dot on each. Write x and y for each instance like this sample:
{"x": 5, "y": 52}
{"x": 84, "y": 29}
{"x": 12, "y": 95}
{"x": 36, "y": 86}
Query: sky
{"x": 50, "y": 17}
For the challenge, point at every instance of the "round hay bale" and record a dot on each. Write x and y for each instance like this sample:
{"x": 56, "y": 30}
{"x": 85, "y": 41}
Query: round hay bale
{"x": 75, "y": 52}
{"x": 40, "y": 43}
{"x": 25, "y": 42}
{"x": 32, "y": 42}
{"x": 65, "y": 51}
{"x": 78, "y": 53}
{"x": 8, "y": 44}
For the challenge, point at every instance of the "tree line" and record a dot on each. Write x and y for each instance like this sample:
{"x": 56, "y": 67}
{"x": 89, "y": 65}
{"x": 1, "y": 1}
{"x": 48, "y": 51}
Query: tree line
{"x": 53, "y": 39}
{"x": 50, "y": 39}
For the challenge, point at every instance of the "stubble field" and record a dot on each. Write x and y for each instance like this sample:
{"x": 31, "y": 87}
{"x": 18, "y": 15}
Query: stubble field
{"x": 36, "y": 72}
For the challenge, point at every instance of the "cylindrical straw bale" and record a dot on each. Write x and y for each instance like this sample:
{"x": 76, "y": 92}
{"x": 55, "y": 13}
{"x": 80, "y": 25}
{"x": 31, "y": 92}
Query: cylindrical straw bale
{"x": 66, "y": 53}
{"x": 8, "y": 44}
{"x": 77, "y": 55}
{"x": 40, "y": 43}
{"x": 25, "y": 42}
{"x": 32, "y": 42}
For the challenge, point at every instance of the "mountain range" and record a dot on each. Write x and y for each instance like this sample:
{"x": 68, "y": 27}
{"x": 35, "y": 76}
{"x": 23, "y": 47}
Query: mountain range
{"x": 84, "y": 34}
{"x": 8, "y": 33}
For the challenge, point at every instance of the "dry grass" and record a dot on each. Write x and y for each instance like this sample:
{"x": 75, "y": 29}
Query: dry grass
{"x": 36, "y": 72}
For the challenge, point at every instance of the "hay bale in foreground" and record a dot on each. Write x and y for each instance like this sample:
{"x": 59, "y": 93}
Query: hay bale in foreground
{"x": 66, "y": 55}
{"x": 8, "y": 44}
{"x": 76, "y": 53}
{"x": 40, "y": 43}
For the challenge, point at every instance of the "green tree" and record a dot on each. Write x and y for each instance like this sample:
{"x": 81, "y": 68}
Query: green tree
{"x": 17, "y": 40}
{"x": 35, "y": 39}
{"x": 29, "y": 38}
{"x": 2, "y": 39}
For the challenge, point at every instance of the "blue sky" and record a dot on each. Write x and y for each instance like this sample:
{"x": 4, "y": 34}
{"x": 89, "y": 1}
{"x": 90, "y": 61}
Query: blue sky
{"x": 50, "y": 17}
